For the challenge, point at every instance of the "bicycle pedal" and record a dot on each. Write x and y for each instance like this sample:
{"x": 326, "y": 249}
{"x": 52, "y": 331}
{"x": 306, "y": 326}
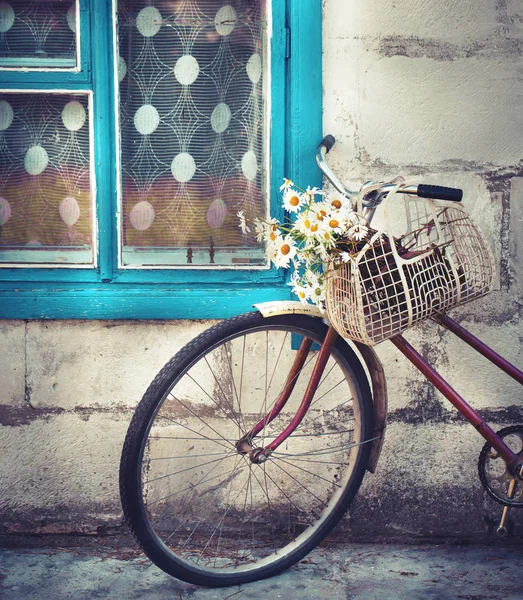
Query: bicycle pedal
{"x": 493, "y": 527}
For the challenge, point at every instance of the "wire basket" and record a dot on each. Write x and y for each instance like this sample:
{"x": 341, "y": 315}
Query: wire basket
{"x": 394, "y": 282}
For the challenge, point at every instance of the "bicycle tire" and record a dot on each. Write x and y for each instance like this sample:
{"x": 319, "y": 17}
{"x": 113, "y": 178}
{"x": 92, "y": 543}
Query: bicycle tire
{"x": 269, "y": 515}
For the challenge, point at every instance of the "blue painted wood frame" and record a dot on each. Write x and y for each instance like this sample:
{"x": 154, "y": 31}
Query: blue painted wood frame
{"x": 109, "y": 293}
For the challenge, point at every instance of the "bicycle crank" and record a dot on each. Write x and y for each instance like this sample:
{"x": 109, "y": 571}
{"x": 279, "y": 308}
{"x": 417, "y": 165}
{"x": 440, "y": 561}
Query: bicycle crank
{"x": 500, "y": 484}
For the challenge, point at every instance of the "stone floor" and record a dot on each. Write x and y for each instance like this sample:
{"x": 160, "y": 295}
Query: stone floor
{"x": 358, "y": 572}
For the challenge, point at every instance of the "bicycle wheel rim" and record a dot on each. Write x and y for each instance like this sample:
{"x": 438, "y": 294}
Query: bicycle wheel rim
{"x": 267, "y": 495}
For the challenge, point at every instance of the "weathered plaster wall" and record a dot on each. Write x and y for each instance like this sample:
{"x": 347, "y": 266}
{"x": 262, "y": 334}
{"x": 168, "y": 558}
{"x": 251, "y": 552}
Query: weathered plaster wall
{"x": 67, "y": 393}
{"x": 436, "y": 89}
{"x": 411, "y": 87}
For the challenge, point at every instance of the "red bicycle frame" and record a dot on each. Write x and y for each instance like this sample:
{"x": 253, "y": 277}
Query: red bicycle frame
{"x": 514, "y": 461}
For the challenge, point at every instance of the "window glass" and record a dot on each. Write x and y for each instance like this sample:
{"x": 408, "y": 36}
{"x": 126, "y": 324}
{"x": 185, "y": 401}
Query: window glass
{"x": 38, "y": 33}
{"x": 46, "y": 200}
{"x": 193, "y": 130}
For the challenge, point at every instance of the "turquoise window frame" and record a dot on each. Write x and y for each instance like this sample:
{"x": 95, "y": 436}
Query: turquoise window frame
{"x": 106, "y": 292}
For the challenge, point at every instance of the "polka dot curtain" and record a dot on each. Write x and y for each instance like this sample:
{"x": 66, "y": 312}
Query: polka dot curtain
{"x": 35, "y": 33}
{"x": 192, "y": 118}
{"x": 45, "y": 187}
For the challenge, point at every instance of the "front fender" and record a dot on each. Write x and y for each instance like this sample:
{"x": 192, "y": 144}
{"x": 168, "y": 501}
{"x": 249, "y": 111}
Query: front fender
{"x": 367, "y": 355}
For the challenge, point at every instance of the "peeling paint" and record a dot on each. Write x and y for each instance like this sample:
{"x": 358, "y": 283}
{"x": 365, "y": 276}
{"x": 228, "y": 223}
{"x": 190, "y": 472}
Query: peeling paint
{"x": 413, "y": 415}
{"x": 17, "y": 416}
{"x": 416, "y": 47}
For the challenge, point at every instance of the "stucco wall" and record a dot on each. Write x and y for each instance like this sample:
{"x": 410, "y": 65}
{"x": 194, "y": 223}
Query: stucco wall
{"x": 410, "y": 87}
{"x": 435, "y": 89}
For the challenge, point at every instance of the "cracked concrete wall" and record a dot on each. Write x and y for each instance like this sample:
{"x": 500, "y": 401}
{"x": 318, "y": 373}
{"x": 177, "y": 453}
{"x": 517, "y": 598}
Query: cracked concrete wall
{"x": 435, "y": 89}
{"x": 410, "y": 87}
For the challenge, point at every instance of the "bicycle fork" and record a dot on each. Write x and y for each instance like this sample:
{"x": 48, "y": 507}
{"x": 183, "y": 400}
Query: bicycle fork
{"x": 261, "y": 454}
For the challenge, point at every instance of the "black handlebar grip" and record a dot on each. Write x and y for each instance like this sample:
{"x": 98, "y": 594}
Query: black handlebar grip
{"x": 438, "y": 192}
{"x": 328, "y": 141}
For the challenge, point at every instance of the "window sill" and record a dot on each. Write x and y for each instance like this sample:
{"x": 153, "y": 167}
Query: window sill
{"x": 147, "y": 301}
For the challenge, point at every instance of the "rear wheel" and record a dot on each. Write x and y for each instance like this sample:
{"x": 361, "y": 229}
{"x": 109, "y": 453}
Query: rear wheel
{"x": 201, "y": 509}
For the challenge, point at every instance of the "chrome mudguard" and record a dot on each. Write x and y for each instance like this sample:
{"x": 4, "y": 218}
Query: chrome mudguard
{"x": 367, "y": 356}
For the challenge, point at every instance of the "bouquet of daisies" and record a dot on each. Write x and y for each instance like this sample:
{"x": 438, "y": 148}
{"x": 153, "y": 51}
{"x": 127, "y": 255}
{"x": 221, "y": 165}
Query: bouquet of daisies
{"x": 321, "y": 228}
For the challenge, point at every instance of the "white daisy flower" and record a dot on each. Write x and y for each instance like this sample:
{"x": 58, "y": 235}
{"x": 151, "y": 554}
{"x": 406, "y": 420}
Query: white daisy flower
{"x": 298, "y": 288}
{"x": 358, "y": 232}
{"x": 292, "y": 200}
{"x": 316, "y": 288}
{"x": 345, "y": 257}
{"x": 311, "y": 192}
{"x": 243, "y": 223}
{"x": 284, "y": 251}
{"x": 287, "y": 183}
{"x": 307, "y": 224}
{"x": 261, "y": 230}
{"x": 326, "y": 239}
{"x": 335, "y": 223}
{"x": 338, "y": 201}
{"x": 319, "y": 211}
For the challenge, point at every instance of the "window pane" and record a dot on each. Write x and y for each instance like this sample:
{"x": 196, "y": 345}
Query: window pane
{"x": 193, "y": 128}
{"x": 38, "y": 33}
{"x": 45, "y": 182}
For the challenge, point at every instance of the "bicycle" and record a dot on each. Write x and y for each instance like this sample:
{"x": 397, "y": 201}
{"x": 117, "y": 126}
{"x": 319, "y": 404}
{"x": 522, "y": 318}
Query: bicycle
{"x": 230, "y": 474}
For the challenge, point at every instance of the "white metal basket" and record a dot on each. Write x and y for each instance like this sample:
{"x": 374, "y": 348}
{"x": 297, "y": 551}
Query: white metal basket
{"x": 384, "y": 289}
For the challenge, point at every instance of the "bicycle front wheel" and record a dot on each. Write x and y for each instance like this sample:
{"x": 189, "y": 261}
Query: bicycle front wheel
{"x": 199, "y": 507}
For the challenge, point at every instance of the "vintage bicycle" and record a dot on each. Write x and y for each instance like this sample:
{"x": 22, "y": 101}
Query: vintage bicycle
{"x": 250, "y": 444}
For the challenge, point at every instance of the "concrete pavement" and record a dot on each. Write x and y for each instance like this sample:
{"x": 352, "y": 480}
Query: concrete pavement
{"x": 356, "y": 572}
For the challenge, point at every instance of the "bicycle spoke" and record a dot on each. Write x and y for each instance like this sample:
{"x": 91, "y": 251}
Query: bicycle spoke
{"x": 207, "y": 393}
{"x": 220, "y": 536}
{"x": 200, "y": 419}
{"x": 210, "y": 462}
{"x": 299, "y": 483}
{"x": 207, "y": 510}
{"x": 190, "y": 487}
{"x": 219, "y": 523}
{"x": 303, "y": 512}
{"x": 223, "y": 394}
{"x": 181, "y": 491}
{"x": 332, "y": 450}
{"x": 229, "y": 360}
{"x": 265, "y": 492}
{"x": 328, "y": 391}
{"x": 185, "y": 457}
{"x": 240, "y": 413}
{"x": 288, "y": 462}
{"x": 201, "y": 435}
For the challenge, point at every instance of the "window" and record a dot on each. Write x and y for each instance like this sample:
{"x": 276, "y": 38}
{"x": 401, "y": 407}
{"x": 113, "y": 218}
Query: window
{"x": 131, "y": 134}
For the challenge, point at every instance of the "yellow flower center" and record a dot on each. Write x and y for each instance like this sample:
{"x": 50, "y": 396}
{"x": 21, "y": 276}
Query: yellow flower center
{"x": 272, "y": 236}
{"x": 321, "y": 215}
{"x": 333, "y": 223}
{"x": 336, "y": 203}
{"x": 327, "y": 235}
{"x": 314, "y": 228}
{"x": 307, "y": 224}
{"x": 294, "y": 201}
{"x": 301, "y": 295}
{"x": 285, "y": 249}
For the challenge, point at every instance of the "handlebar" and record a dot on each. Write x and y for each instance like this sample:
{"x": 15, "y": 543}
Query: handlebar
{"x": 376, "y": 193}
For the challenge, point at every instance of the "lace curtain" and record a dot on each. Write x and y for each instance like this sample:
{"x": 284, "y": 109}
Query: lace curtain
{"x": 193, "y": 124}
{"x": 45, "y": 183}
{"x": 38, "y": 33}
